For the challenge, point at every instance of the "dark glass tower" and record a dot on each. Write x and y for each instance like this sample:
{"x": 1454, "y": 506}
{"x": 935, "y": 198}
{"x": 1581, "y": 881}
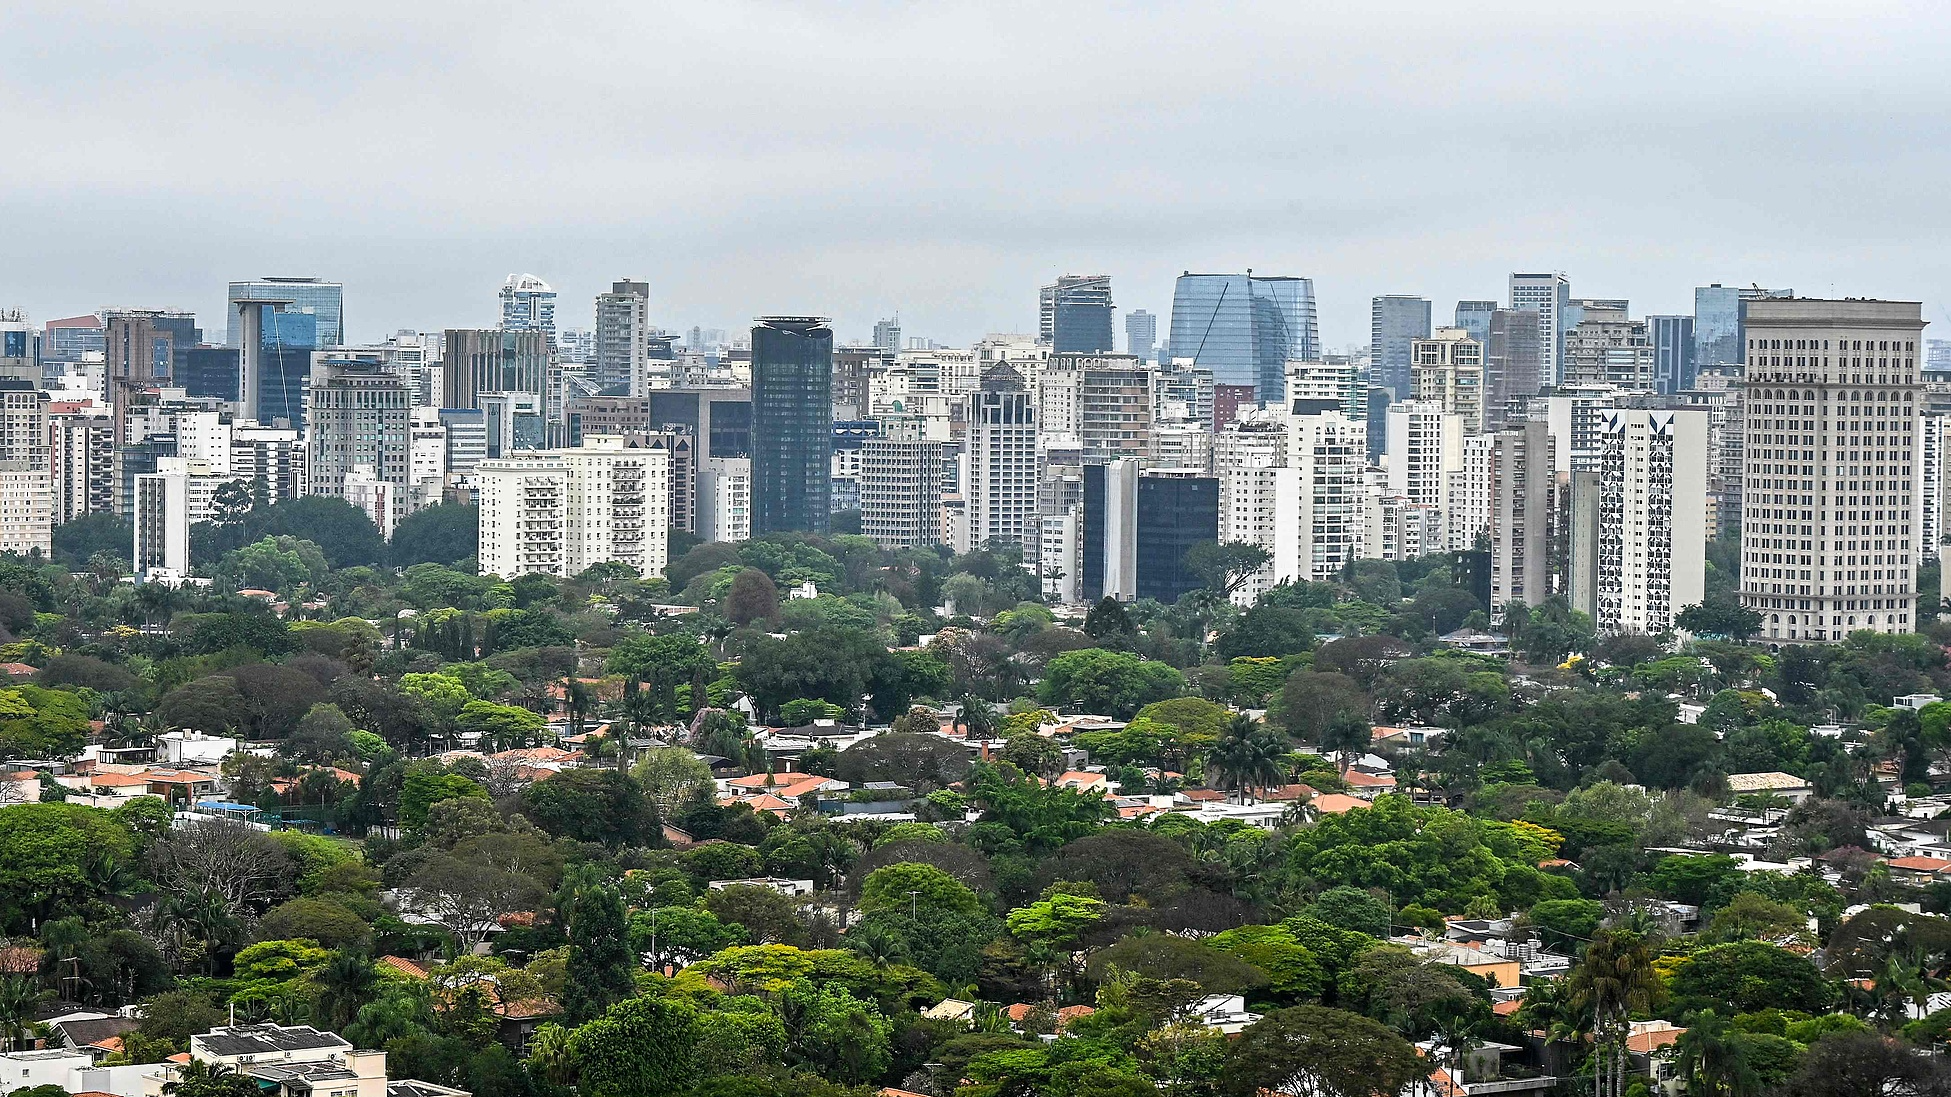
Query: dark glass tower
{"x": 792, "y": 423}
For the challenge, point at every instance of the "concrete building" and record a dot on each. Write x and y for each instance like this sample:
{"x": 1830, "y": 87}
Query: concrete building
{"x": 361, "y": 419}
{"x": 1141, "y": 335}
{"x": 1247, "y": 454}
{"x": 1550, "y": 296}
{"x": 1503, "y": 498}
{"x": 999, "y": 465}
{"x": 315, "y": 297}
{"x": 725, "y": 499}
{"x": 1074, "y": 314}
{"x": 1138, "y": 526}
{"x": 1425, "y": 446}
{"x": 1609, "y": 348}
{"x": 1114, "y": 401}
{"x": 1650, "y": 529}
{"x": 1933, "y": 450}
{"x": 167, "y": 503}
{"x": 563, "y": 511}
{"x": 622, "y": 345}
{"x": 1395, "y": 323}
{"x": 477, "y": 360}
{"x": 1830, "y": 495}
{"x": 1338, "y": 380}
{"x": 81, "y": 460}
{"x": 1448, "y": 371}
{"x": 426, "y": 463}
{"x": 1576, "y": 416}
{"x": 1513, "y": 364}
{"x": 1672, "y": 339}
{"x": 1318, "y": 512}
{"x": 382, "y": 501}
{"x": 901, "y": 492}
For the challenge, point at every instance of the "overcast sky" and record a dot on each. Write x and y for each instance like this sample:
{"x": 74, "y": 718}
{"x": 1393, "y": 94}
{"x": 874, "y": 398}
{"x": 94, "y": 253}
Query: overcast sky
{"x": 943, "y": 160}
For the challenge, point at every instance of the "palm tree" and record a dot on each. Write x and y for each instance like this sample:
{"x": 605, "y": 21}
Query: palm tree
{"x": 975, "y": 718}
{"x": 1248, "y": 754}
{"x": 345, "y": 983}
{"x": 1615, "y": 978}
{"x": 1713, "y": 1060}
{"x": 19, "y": 995}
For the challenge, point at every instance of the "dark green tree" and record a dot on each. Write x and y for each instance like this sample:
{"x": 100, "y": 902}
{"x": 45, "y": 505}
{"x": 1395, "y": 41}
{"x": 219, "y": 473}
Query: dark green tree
{"x": 602, "y": 970}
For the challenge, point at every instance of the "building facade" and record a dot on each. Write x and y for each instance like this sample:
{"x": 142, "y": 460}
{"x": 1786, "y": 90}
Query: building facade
{"x": 1395, "y": 323}
{"x": 1651, "y": 528}
{"x": 1245, "y": 328}
{"x": 1550, "y": 296}
{"x": 792, "y": 424}
{"x": 564, "y": 511}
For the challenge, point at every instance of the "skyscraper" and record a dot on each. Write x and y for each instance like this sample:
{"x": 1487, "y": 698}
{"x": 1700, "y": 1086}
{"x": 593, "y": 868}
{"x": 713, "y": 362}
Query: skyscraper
{"x": 1651, "y": 523}
{"x": 1550, "y": 296}
{"x": 1828, "y": 541}
{"x": 1608, "y": 348}
{"x": 321, "y": 299}
{"x": 1719, "y": 314}
{"x": 478, "y": 361}
{"x": 999, "y": 463}
{"x": 1395, "y": 322}
{"x": 622, "y": 333}
{"x": 792, "y": 423}
{"x": 1075, "y": 314}
{"x": 275, "y": 344}
{"x": 1673, "y": 352}
{"x": 1245, "y": 328}
{"x": 887, "y": 334}
{"x": 1449, "y": 372}
{"x": 1141, "y": 334}
{"x": 1318, "y": 520}
{"x": 527, "y": 304}
{"x": 1511, "y": 363}
{"x": 1474, "y": 317}
{"x": 361, "y": 422}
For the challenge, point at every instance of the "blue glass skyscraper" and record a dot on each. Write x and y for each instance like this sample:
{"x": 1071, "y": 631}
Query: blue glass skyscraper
{"x": 324, "y": 300}
{"x": 1395, "y": 323}
{"x": 1673, "y": 352}
{"x": 1245, "y": 328}
{"x": 1720, "y": 317}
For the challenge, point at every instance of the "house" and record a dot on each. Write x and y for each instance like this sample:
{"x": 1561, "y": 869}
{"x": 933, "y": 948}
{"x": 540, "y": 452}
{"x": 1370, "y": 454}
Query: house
{"x": 951, "y": 1009}
{"x": 21, "y": 786}
{"x": 790, "y": 888}
{"x": 1487, "y": 1067}
{"x": 1917, "y": 871}
{"x": 1369, "y": 785}
{"x": 41, "y": 1067}
{"x": 183, "y": 748}
{"x": 286, "y": 1061}
{"x": 1649, "y": 1052}
{"x": 88, "y": 1032}
{"x": 1225, "y": 1012}
{"x": 1915, "y": 701}
{"x": 1414, "y": 737}
{"x": 1771, "y": 783}
{"x": 1499, "y": 971}
{"x": 1334, "y": 803}
{"x": 1084, "y": 781}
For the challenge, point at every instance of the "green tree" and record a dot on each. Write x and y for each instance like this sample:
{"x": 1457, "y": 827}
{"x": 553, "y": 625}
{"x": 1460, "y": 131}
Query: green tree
{"x": 602, "y": 971}
{"x": 641, "y": 1046}
{"x": 842, "y": 1037}
{"x": 1713, "y": 1058}
{"x": 445, "y": 533}
{"x": 1114, "y": 683}
{"x": 908, "y": 886}
{"x": 1745, "y": 976}
{"x": 1320, "y": 1052}
{"x": 1614, "y": 980}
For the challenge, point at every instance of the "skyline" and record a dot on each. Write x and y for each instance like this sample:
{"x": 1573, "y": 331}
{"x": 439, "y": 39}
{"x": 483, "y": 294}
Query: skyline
{"x": 832, "y": 162}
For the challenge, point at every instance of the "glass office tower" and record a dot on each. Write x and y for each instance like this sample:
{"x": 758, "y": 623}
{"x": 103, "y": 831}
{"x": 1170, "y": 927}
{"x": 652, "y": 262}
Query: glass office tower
{"x": 283, "y": 365}
{"x": 792, "y": 423}
{"x": 324, "y": 300}
{"x": 1673, "y": 352}
{"x": 1245, "y": 328}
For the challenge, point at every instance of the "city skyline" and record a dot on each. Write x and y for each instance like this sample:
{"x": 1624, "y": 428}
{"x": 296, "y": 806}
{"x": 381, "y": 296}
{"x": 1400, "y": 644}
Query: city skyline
{"x": 736, "y": 204}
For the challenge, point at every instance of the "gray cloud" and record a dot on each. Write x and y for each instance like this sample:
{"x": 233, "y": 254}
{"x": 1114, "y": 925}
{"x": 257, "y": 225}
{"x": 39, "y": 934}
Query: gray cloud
{"x": 943, "y": 160}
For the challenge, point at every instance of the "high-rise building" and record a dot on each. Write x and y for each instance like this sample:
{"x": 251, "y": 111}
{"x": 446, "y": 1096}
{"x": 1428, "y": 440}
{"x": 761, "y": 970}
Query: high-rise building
{"x": 1138, "y": 526}
{"x": 1608, "y": 348}
{"x": 622, "y": 338}
{"x": 1318, "y": 515}
{"x": 792, "y": 423}
{"x": 1338, "y": 380}
{"x": 323, "y": 301}
{"x": 1075, "y": 314}
{"x": 725, "y": 499}
{"x": 1141, "y": 334}
{"x": 561, "y": 512}
{"x": 1512, "y": 365}
{"x": 275, "y": 343}
{"x": 901, "y": 492}
{"x": 527, "y": 304}
{"x": 1448, "y": 371}
{"x": 1937, "y": 355}
{"x": 1719, "y": 315}
{"x": 1474, "y": 317}
{"x": 167, "y": 502}
{"x": 1425, "y": 446}
{"x": 1247, "y": 453}
{"x": 1672, "y": 338}
{"x": 26, "y": 483}
{"x": 1230, "y": 402}
{"x": 1503, "y": 498}
{"x": 1395, "y": 323}
{"x": 361, "y": 423}
{"x": 1649, "y": 531}
{"x": 478, "y": 361}
{"x": 1933, "y": 485}
{"x": 20, "y": 348}
{"x": 1113, "y": 396}
{"x": 887, "y": 334}
{"x": 999, "y": 474}
{"x": 1245, "y": 328}
{"x": 1828, "y": 535}
{"x": 1576, "y": 415}
{"x": 71, "y": 337}
{"x": 81, "y": 460}
{"x": 1550, "y": 296}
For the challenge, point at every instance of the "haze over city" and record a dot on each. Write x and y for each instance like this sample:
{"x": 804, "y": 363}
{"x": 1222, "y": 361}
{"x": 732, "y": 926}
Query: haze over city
{"x": 860, "y": 160}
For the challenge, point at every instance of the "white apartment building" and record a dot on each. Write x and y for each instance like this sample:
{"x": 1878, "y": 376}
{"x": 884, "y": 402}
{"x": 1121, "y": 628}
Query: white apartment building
{"x": 270, "y": 460}
{"x": 1183, "y": 445}
{"x": 360, "y": 418}
{"x": 1550, "y": 296}
{"x": 1576, "y": 415}
{"x": 168, "y": 502}
{"x": 1318, "y": 515}
{"x": 1424, "y": 447}
{"x": 1448, "y": 371}
{"x": 204, "y": 436}
{"x": 1504, "y": 495}
{"x": 725, "y": 499}
{"x": 26, "y": 482}
{"x": 999, "y": 473}
{"x": 1829, "y": 497}
{"x": 1060, "y": 555}
{"x": 901, "y": 492}
{"x": 1652, "y": 520}
{"x": 1339, "y": 380}
{"x": 383, "y": 502}
{"x": 426, "y": 458}
{"x": 563, "y": 511}
{"x": 1396, "y": 528}
{"x": 1933, "y": 449}
{"x": 1247, "y": 454}
{"x": 81, "y": 461}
